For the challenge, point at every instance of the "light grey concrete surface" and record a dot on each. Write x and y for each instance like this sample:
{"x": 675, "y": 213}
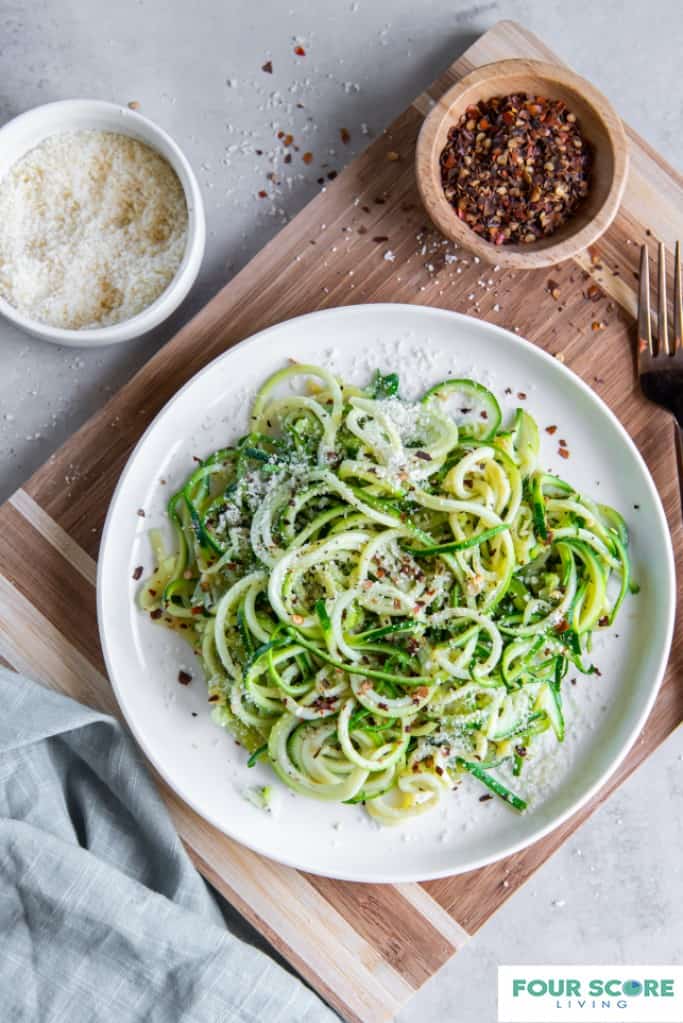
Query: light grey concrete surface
{"x": 613, "y": 893}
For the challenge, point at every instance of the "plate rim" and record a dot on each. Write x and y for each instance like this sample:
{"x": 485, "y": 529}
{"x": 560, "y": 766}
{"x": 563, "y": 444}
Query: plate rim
{"x": 393, "y": 876}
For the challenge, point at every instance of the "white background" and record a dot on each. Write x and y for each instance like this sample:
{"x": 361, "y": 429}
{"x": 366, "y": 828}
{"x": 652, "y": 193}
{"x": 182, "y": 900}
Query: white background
{"x": 528, "y": 1008}
{"x": 614, "y": 889}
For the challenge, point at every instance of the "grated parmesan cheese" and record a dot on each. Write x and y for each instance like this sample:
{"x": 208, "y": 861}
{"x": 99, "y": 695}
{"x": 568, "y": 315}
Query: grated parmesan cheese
{"x": 93, "y": 227}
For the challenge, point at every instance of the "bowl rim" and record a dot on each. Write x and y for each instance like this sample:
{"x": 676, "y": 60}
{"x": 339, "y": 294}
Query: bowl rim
{"x": 136, "y": 125}
{"x": 441, "y": 212}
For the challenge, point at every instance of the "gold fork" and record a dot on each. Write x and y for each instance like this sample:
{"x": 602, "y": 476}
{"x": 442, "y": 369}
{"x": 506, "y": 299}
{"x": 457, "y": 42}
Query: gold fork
{"x": 660, "y": 360}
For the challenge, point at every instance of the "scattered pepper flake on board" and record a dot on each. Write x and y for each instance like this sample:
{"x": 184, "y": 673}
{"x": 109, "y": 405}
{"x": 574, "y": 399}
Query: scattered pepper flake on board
{"x": 184, "y": 678}
{"x": 156, "y": 613}
{"x": 141, "y": 513}
{"x": 138, "y": 572}
{"x": 553, "y": 289}
{"x": 521, "y": 395}
{"x": 379, "y": 238}
{"x": 563, "y": 452}
{"x": 133, "y": 105}
{"x": 345, "y": 135}
{"x": 594, "y": 293}
{"x": 307, "y": 157}
{"x": 551, "y": 429}
{"x": 299, "y": 50}
{"x": 267, "y": 67}
{"x": 262, "y": 194}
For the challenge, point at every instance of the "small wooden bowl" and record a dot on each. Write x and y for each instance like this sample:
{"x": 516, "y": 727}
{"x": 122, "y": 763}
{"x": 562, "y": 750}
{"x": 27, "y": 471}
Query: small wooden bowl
{"x": 599, "y": 124}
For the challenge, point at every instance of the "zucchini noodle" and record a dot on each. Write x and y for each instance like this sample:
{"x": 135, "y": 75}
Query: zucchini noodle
{"x": 386, "y": 595}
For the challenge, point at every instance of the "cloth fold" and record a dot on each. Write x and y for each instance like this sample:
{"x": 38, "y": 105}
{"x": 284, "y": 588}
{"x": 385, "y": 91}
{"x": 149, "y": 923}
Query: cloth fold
{"x": 102, "y": 914}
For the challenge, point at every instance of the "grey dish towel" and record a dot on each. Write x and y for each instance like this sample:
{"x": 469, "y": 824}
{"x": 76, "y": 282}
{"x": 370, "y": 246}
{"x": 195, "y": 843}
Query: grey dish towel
{"x": 102, "y": 915}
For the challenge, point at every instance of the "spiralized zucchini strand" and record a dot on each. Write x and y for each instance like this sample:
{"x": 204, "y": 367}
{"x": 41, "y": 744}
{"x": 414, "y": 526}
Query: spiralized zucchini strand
{"x": 386, "y": 595}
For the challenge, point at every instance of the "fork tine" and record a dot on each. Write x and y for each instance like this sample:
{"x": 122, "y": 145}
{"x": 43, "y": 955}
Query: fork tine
{"x": 678, "y": 301}
{"x": 644, "y": 328}
{"x": 662, "y": 326}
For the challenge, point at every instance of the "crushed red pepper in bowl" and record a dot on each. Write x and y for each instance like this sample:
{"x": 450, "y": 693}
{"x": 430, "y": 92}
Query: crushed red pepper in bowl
{"x": 515, "y": 168}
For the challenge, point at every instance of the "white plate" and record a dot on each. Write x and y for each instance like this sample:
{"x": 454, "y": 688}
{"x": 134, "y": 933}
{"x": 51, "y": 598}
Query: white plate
{"x": 202, "y": 762}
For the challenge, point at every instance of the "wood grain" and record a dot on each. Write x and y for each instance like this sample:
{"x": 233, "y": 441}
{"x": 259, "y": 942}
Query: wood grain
{"x": 365, "y": 948}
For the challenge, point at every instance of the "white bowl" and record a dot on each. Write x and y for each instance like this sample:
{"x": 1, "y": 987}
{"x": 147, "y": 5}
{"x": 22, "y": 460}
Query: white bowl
{"x": 27, "y": 130}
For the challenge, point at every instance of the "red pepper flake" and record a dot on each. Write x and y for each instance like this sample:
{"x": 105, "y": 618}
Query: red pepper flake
{"x": 562, "y": 626}
{"x": 287, "y": 158}
{"x": 595, "y": 256}
{"x": 521, "y": 395}
{"x": 152, "y": 593}
{"x": 332, "y": 175}
{"x": 156, "y": 613}
{"x": 598, "y": 325}
{"x": 380, "y": 238}
{"x": 594, "y": 293}
{"x": 287, "y": 140}
{"x": 516, "y": 168}
{"x": 307, "y": 157}
{"x": 603, "y": 621}
{"x": 553, "y": 289}
{"x": 551, "y": 430}
{"x": 184, "y": 678}
{"x": 141, "y": 512}
{"x": 424, "y": 455}
{"x": 485, "y": 798}
{"x": 197, "y": 610}
{"x": 263, "y": 194}
{"x": 138, "y": 572}
{"x": 563, "y": 452}
{"x": 362, "y": 229}
{"x": 379, "y": 201}
{"x": 299, "y": 50}
{"x": 214, "y": 699}
{"x": 393, "y": 156}
{"x": 562, "y": 443}
{"x": 267, "y": 67}
{"x": 345, "y": 135}
{"x": 521, "y": 751}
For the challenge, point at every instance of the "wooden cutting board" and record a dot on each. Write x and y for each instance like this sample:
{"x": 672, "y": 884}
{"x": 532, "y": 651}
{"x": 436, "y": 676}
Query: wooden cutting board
{"x": 366, "y": 948}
